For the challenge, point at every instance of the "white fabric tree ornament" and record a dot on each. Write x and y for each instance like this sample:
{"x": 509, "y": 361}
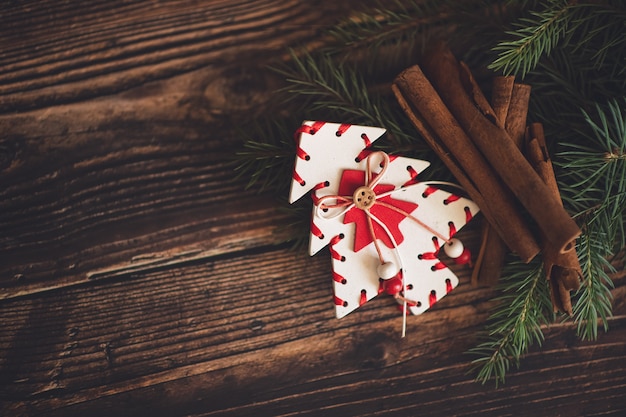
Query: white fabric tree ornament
{"x": 385, "y": 228}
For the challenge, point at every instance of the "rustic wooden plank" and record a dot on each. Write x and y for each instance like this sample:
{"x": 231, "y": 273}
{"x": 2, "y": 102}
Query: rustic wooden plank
{"x": 95, "y": 199}
{"x": 162, "y": 326}
{"x": 256, "y": 333}
{"x": 93, "y": 186}
{"x": 52, "y": 55}
{"x": 78, "y": 188}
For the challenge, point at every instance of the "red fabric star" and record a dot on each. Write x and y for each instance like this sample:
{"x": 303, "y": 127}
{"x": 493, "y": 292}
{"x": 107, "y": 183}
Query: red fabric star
{"x": 353, "y": 179}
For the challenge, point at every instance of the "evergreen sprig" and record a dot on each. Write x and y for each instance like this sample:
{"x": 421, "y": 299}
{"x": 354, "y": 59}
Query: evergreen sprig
{"x": 594, "y": 174}
{"x": 385, "y": 25}
{"x": 513, "y": 329}
{"x": 594, "y": 186}
{"x": 267, "y": 153}
{"x": 595, "y": 171}
{"x": 571, "y": 52}
{"x": 337, "y": 91}
{"x": 535, "y": 36}
{"x": 593, "y": 301}
{"x": 563, "y": 23}
{"x": 328, "y": 87}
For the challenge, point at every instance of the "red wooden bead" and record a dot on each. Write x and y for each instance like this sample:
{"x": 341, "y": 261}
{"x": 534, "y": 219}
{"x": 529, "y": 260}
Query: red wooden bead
{"x": 465, "y": 258}
{"x": 393, "y": 286}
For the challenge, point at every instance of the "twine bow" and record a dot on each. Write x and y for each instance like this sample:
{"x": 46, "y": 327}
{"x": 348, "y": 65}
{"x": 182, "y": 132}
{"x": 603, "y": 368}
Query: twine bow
{"x": 365, "y": 198}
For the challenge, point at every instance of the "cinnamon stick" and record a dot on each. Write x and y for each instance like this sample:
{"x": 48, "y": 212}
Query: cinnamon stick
{"x": 509, "y": 101}
{"x": 502, "y": 90}
{"x": 562, "y": 270}
{"x": 559, "y": 228}
{"x": 490, "y": 258}
{"x": 440, "y": 129}
{"x": 475, "y": 93}
{"x": 515, "y": 122}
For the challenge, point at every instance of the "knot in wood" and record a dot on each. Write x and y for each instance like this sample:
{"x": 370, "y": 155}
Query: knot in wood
{"x": 364, "y": 197}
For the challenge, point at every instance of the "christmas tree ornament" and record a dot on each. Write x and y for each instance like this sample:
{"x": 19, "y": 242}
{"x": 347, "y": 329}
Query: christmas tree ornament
{"x": 385, "y": 229}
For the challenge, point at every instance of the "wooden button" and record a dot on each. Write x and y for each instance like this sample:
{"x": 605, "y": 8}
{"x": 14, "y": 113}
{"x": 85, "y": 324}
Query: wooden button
{"x": 364, "y": 197}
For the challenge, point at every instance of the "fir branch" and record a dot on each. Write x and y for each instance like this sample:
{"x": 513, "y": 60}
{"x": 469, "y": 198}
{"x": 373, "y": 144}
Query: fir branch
{"x": 325, "y": 85}
{"x": 399, "y": 32}
{"x": 337, "y": 91}
{"x": 534, "y": 37}
{"x": 267, "y": 154}
{"x": 598, "y": 32}
{"x": 516, "y": 325}
{"x": 563, "y": 84}
{"x": 593, "y": 299}
{"x": 594, "y": 172}
{"x": 593, "y": 30}
{"x": 384, "y": 25}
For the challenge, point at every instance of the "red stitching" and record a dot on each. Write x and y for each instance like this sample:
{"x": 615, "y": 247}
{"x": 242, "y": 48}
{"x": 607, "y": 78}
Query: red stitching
{"x": 468, "y": 214}
{"x": 451, "y": 199}
{"x": 319, "y": 186}
{"x": 338, "y": 278}
{"x": 316, "y": 230}
{"x": 301, "y": 153}
{"x": 333, "y": 252}
{"x": 339, "y": 301}
{"x": 429, "y": 190}
{"x": 448, "y": 285}
{"x": 366, "y": 152}
{"x": 438, "y": 266}
{"x": 362, "y": 155}
{"x": 413, "y": 173}
{"x": 367, "y": 140}
{"x": 452, "y": 228}
{"x": 311, "y": 130}
{"x": 432, "y": 298}
{"x": 342, "y": 129}
{"x": 429, "y": 256}
{"x": 363, "y": 298}
{"x": 298, "y": 178}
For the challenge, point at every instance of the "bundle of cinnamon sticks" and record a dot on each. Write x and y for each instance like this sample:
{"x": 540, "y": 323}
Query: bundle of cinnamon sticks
{"x": 503, "y": 165}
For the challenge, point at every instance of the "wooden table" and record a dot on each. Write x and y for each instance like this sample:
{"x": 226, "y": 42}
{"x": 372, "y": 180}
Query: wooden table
{"x": 139, "y": 278}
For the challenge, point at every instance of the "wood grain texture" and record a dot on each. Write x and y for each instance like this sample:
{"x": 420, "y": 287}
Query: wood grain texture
{"x": 255, "y": 335}
{"x": 138, "y": 277}
{"x": 54, "y": 55}
{"x": 73, "y": 171}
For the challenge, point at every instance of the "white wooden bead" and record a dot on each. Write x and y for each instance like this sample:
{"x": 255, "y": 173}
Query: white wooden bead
{"x": 453, "y": 248}
{"x": 387, "y": 270}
